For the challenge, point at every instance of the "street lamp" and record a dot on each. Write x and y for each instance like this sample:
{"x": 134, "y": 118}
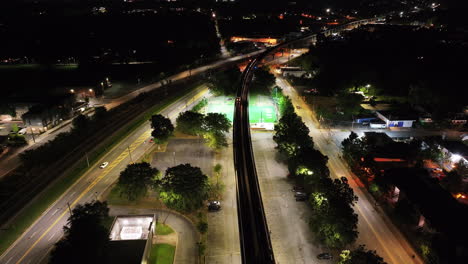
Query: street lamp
{"x": 328, "y": 10}
{"x": 72, "y": 91}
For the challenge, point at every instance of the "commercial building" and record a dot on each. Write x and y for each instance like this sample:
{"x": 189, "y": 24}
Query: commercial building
{"x": 131, "y": 239}
{"x": 395, "y": 119}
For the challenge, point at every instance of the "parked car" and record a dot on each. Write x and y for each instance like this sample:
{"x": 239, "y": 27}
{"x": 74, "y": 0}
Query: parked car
{"x": 297, "y": 188}
{"x": 214, "y": 206}
{"x": 324, "y": 256}
{"x": 104, "y": 164}
{"x": 300, "y": 196}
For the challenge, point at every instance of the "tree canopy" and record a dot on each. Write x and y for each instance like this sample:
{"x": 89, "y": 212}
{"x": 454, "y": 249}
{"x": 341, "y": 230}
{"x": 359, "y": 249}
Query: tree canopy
{"x": 262, "y": 81}
{"x": 85, "y": 239}
{"x": 291, "y": 134}
{"x": 216, "y": 122}
{"x": 136, "y": 179}
{"x": 162, "y": 128}
{"x": 225, "y": 82}
{"x": 360, "y": 255}
{"x": 185, "y": 187}
{"x": 190, "y": 122}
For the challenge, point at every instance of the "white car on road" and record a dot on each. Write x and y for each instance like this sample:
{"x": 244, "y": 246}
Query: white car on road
{"x": 104, "y": 164}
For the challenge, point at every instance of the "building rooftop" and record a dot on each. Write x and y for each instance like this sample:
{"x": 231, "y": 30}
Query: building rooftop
{"x": 398, "y": 115}
{"x": 436, "y": 204}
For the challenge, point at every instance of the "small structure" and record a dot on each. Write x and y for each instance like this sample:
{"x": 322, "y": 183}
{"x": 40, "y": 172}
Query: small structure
{"x": 395, "y": 119}
{"x": 293, "y": 71}
{"x": 131, "y": 238}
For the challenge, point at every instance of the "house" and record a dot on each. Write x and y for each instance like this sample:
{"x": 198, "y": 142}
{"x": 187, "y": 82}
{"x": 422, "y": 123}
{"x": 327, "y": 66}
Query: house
{"x": 436, "y": 209}
{"x": 50, "y": 112}
{"x": 131, "y": 239}
{"x": 395, "y": 119}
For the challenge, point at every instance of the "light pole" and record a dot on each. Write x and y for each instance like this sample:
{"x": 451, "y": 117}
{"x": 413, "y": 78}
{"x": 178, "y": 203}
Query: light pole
{"x": 130, "y": 154}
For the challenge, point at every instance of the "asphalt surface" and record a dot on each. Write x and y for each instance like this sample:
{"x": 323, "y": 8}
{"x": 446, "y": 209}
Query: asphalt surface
{"x": 187, "y": 235}
{"x": 223, "y": 230}
{"x": 181, "y": 151}
{"x": 376, "y": 230}
{"x": 291, "y": 236}
{"x": 35, "y": 244}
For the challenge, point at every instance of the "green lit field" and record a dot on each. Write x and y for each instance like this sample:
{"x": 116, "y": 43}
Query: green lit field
{"x": 261, "y": 108}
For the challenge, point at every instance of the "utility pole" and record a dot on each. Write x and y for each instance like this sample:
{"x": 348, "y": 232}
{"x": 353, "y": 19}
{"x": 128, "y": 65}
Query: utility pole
{"x": 130, "y": 154}
{"x": 32, "y": 132}
{"x": 68, "y": 204}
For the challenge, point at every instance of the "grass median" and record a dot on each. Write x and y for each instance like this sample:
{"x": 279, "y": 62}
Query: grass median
{"x": 162, "y": 254}
{"x": 45, "y": 199}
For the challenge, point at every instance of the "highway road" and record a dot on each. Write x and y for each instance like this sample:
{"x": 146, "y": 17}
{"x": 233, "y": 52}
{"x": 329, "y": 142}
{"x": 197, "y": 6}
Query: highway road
{"x": 35, "y": 244}
{"x": 375, "y": 228}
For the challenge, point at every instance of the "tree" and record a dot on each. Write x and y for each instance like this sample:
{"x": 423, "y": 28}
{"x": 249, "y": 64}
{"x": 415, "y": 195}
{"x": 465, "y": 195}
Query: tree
{"x": 100, "y": 113}
{"x": 190, "y": 123}
{"x": 360, "y": 255}
{"x": 7, "y": 109}
{"x": 225, "y": 82}
{"x": 162, "y": 128}
{"x": 334, "y": 221}
{"x": 185, "y": 187}
{"x": 80, "y": 123}
{"x": 353, "y": 149}
{"x": 216, "y": 122}
{"x": 350, "y": 103}
{"x": 86, "y": 239}
{"x": 135, "y": 180}
{"x": 216, "y": 140}
{"x": 202, "y": 226}
{"x": 263, "y": 80}
{"x": 292, "y": 135}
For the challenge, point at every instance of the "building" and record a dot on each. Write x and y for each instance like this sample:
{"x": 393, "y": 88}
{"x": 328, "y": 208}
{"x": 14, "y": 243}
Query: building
{"x": 50, "y": 112}
{"x": 395, "y": 119}
{"x": 294, "y": 71}
{"x": 131, "y": 239}
{"x": 435, "y": 210}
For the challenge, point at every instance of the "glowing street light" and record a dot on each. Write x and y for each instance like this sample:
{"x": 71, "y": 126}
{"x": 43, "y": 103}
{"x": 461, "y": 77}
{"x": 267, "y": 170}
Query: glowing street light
{"x": 90, "y": 90}
{"x": 72, "y": 91}
{"x": 328, "y": 10}
{"x": 368, "y": 86}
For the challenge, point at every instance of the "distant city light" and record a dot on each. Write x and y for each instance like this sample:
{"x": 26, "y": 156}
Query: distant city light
{"x": 72, "y": 90}
{"x": 368, "y": 86}
{"x": 91, "y": 90}
{"x": 328, "y": 10}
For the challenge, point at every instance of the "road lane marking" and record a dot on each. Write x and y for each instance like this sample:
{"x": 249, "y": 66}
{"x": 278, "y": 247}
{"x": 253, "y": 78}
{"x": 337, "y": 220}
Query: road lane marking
{"x": 8, "y": 260}
{"x": 33, "y": 235}
{"x": 72, "y": 193}
{"x": 106, "y": 171}
{"x": 51, "y": 236}
{"x": 56, "y": 210}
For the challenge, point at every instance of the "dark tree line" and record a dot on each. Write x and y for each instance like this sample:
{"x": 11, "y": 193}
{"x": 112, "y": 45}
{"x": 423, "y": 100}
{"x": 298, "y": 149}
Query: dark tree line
{"x": 334, "y": 221}
{"x": 424, "y": 65}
